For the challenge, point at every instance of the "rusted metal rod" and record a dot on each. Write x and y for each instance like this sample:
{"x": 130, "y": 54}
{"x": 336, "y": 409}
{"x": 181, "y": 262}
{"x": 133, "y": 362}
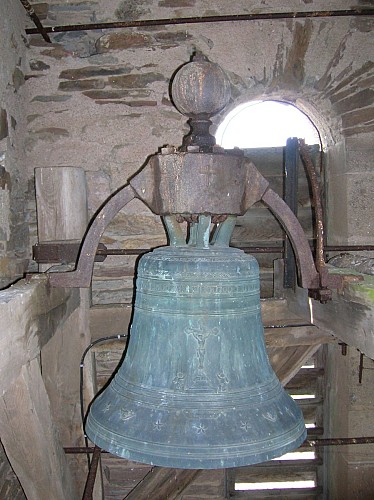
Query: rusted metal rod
{"x": 307, "y": 442}
{"x": 45, "y": 253}
{"x": 39, "y": 27}
{"x": 77, "y": 450}
{"x": 206, "y": 19}
{"x": 90, "y": 483}
{"x": 316, "y": 198}
{"x": 349, "y": 248}
{"x": 338, "y": 441}
{"x": 254, "y": 249}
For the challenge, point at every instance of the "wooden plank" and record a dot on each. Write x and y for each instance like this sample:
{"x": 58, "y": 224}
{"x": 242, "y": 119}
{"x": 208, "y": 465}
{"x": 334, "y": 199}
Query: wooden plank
{"x": 61, "y": 197}
{"x": 287, "y": 361}
{"x": 161, "y": 483}
{"x": 294, "y": 336}
{"x": 30, "y": 439}
{"x": 310, "y": 464}
{"x": 275, "y": 474}
{"x": 310, "y": 410}
{"x": 305, "y": 375}
{"x": 274, "y": 310}
{"x": 280, "y": 494}
{"x": 209, "y": 484}
{"x": 122, "y": 473}
{"x": 10, "y": 487}
{"x": 304, "y": 382}
{"x": 60, "y": 359}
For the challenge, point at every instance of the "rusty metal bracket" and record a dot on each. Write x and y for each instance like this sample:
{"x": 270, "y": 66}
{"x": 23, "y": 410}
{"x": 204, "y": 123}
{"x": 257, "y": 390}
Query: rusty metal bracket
{"x": 307, "y": 270}
{"x": 81, "y": 277}
{"x": 91, "y": 478}
{"x": 188, "y": 183}
{"x": 322, "y": 292}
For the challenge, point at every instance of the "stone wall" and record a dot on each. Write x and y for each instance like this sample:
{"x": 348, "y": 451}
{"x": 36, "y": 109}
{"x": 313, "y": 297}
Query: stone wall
{"x": 11, "y": 226}
{"x": 16, "y": 188}
{"x": 99, "y": 100}
{"x": 349, "y": 405}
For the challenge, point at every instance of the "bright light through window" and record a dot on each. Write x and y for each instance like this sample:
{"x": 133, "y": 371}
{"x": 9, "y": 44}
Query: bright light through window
{"x": 275, "y": 485}
{"x": 260, "y": 124}
{"x": 297, "y": 455}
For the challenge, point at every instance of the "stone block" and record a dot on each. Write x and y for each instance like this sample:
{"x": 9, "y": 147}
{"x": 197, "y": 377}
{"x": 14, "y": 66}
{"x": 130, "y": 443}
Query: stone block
{"x": 48, "y": 134}
{"x": 129, "y": 10}
{"x": 18, "y": 79}
{"x": 36, "y": 65}
{"x": 170, "y": 37}
{"x": 41, "y": 10}
{"x": 123, "y": 40}
{"x": 3, "y": 124}
{"x": 50, "y": 98}
{"x": 135, "y": 81}
{"x": 112, "y": 292}
{"x": 131, "y": 225}
{"x": 79, "y": 85}
{"x": 56, "y": 52}
{"x": 357, "y": 101}
{"x": 140, "y": 104}
{"x": 177, "y": 3}
{"x": 361, "y": 117}
{"x": 94, "y": 71}
{"x": 114, "y": 94}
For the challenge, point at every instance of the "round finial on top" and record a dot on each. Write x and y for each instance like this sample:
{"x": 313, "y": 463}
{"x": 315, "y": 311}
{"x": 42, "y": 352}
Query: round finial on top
{"x": 200, "y": 88}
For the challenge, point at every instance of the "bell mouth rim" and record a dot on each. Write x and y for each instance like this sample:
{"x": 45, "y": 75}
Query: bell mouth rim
{"x": 211, "y": 456}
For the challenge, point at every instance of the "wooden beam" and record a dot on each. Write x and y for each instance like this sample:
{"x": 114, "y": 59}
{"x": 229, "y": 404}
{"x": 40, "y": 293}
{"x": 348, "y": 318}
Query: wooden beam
{"x": 161, "y": 483}
{"x": 293, "y": 336}
{"x": 62, "y": 203}
{"x": 61, "y": 197}
{"x": 350, "y": 313}
{"x": 29, "y": 314}
{"x": 30, "y": 439}
{"x": 287, "y": 361}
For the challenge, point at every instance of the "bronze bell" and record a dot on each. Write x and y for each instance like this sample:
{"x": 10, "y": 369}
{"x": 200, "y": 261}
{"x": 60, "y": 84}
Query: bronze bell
{"x": 195, "y": 388}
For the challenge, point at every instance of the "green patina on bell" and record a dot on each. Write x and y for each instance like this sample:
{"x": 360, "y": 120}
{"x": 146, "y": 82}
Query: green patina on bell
{"x": 195, "y": 389}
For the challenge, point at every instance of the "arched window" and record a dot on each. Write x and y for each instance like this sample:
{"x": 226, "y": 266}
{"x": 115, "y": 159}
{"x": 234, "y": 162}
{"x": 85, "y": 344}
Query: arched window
{"x": 260, "y": 124}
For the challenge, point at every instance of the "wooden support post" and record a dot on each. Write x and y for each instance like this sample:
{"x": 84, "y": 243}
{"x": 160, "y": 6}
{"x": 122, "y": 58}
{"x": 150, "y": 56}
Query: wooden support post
{"x": 61, "y": 195}
{"x": 61, "y": 203}
{"x": 31, "y": 440}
